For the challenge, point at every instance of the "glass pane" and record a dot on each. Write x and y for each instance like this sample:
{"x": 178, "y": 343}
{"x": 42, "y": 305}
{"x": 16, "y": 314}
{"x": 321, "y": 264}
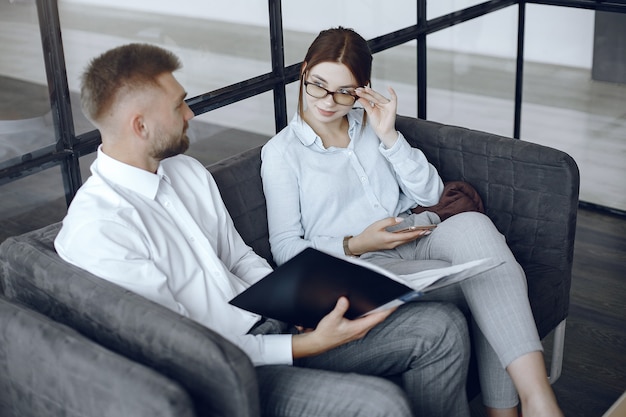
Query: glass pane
{"x": 25, "y": 118}
{"x": 564, "y": 108}
{"x": 32, "y": 202}
{"x": 397, "y": 68}
{"x": 443, "y": 7}
{"x": 302, "y": 21}
{"x": 232, "y": 129}
{"x": 471, "y": 73}
{"x": 215, "y": 50}
{"x": 85, "y": 165}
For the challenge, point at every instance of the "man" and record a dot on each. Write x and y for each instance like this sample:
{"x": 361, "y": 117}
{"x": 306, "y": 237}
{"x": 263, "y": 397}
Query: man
{"x": 152, "y": 220}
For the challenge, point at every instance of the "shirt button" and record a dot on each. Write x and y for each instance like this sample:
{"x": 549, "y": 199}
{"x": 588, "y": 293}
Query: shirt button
{"x": 363, "y": 179}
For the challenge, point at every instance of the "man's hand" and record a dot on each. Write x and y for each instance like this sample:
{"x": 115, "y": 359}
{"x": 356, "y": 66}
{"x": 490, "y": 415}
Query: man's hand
{"x": 335, "y": 330}
{"x": 376, "y": 237}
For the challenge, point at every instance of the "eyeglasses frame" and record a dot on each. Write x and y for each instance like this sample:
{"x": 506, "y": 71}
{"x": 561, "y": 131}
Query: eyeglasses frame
{"x": 332, "y": 93}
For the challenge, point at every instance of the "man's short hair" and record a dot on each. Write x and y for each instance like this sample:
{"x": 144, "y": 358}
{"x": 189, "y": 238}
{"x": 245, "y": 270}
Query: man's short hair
{"x": 123, "y": 69}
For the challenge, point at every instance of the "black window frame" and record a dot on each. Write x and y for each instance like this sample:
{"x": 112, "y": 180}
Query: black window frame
{"x": 69, "y": 147}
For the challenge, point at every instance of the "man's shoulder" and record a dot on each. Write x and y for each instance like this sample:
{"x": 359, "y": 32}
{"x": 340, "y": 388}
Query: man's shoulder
{"x": 92, "y": 191}
{"x": 182, "y": 161}
{"x": 186, "y": 173}
{"x": 95, "y": 207}
{"x": 183, "y": 164}
{"x": 96, "y": 200}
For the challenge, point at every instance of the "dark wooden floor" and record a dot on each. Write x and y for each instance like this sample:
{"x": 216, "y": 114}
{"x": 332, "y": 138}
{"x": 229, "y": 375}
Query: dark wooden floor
{"x": 594, "y": 367}
{"x": 594, "y": 364}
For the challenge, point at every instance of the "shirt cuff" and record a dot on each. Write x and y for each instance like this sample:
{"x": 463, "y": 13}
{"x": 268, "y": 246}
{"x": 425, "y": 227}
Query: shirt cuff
{"x": 400, "y": 148}
{"x": 278, "y": 349}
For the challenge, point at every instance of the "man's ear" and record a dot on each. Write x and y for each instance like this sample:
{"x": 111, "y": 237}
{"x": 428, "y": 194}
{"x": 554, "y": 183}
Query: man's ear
{"x": 138, "y": 126}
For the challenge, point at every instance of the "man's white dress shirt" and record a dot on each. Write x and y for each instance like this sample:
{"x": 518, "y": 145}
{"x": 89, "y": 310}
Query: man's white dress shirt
{"x": 168, "y": 237}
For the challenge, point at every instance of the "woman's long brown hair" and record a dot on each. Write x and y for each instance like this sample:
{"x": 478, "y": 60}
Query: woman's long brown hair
{"x": 340, "y": 45}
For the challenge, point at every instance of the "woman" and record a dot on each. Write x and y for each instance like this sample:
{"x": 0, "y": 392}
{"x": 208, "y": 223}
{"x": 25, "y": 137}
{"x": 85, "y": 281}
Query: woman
{"x": 337, "y": 177}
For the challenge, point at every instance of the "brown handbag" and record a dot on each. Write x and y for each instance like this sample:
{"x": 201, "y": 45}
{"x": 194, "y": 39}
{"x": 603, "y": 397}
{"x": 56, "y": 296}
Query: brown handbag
{"x": 457, "y": 197}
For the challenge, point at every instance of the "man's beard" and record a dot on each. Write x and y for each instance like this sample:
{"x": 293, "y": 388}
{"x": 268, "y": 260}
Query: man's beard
{"x": 170, "y": 147}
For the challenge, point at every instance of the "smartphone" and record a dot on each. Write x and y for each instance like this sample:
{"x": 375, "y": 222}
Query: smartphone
{"x": 403, "y": 229}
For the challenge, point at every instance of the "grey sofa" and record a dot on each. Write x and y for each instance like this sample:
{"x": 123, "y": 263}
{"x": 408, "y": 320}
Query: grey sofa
{"x": 529, "y": 191}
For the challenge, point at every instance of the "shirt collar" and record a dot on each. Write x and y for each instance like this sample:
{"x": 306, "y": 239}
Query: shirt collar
{"x": 307, "y": 135}
{"x": 135, "y": 179}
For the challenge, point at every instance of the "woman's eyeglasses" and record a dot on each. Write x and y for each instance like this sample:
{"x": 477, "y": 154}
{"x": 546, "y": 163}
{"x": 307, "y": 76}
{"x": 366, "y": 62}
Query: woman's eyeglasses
{"x": 342, "y": 97}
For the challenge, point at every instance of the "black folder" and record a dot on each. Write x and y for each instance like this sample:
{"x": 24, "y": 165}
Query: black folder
{"x": 306, "y": 288}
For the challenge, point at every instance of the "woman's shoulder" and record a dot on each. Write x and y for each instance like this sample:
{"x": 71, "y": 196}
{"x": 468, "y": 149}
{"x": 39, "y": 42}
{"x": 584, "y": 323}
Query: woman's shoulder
{"x": 278, "y": 142}
{"x": 290, "y": 136}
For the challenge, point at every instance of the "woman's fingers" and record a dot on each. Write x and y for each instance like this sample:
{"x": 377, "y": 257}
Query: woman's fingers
{"x": 392, "y": 93}
{"x": 372, "y": 96}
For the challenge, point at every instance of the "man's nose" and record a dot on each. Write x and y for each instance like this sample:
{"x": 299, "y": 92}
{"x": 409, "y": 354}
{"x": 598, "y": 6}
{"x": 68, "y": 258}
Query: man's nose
{"x": 189, "y": 114}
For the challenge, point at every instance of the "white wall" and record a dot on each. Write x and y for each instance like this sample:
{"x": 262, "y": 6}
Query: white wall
{"x": 557, "y": 35}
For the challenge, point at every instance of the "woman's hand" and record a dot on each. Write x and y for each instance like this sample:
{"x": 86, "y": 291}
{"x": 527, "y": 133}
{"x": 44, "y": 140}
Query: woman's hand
{"x": 381, "y": 112}
{"x": 335, "y": 330}
{"x": 376, "y": 237}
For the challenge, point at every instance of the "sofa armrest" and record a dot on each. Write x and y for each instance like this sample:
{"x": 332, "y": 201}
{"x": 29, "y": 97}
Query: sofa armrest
{"x": 529, "y": 191}
{"x": 218, "y": 375}
{"x": 47, "y": 368}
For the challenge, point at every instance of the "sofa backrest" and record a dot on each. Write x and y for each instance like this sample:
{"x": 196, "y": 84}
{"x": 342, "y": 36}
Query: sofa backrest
{"x": 218, "y": 376}
{"x": 529, "y": 191}
{"x": 239, "y": 181}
